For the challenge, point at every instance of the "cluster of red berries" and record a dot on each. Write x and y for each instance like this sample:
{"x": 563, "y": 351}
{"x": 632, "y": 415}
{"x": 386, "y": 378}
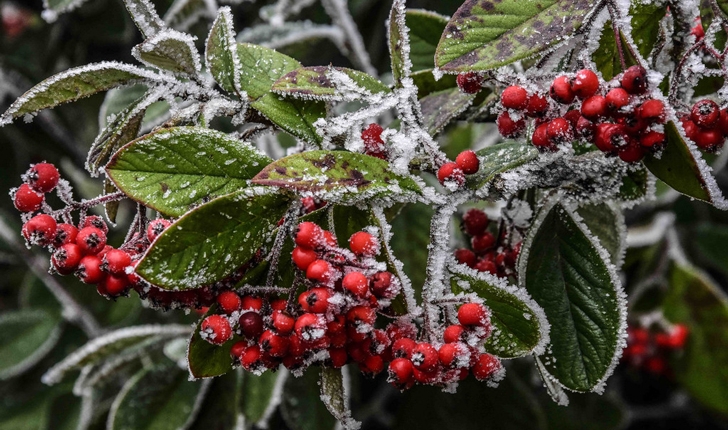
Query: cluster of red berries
{"x": 485, "y": 253}
{"x": 618, "y": 117}
{"x": 333, "y": 321}
{"x": 649, "y": 350}
{"x": 373, "y": 143}
{"x": 706, "y": 125}
{"x": 453, "y": 172}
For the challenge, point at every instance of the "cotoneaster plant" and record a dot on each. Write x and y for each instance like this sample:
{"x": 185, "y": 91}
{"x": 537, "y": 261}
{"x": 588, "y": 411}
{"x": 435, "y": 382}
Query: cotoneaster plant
{"x": 287, "y": 254}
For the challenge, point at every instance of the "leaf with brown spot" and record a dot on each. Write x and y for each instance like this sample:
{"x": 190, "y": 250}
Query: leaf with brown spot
{"x": 315, "y": 83}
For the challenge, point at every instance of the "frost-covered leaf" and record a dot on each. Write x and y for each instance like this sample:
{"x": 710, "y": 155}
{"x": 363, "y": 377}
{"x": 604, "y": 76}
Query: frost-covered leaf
{"x": 702, "y": 367}
{"x": 569, "y": 274}
{"x": 679, "y": 167}
{"x": 439, "y": 108}
{"x": 26, "y": 336}
{"x": 211, "y": 241}
{"x": 121, "y": 130}
{"x": 646, "y": 17}
{"x": 316, "y": 83}
{"x": 75, "y": 84}
{"x": 53, "y": 8}
{"x": 501, "y": 158}
{"x": 339, "y": 176}
{"x": 399, "y": 49}
{"x": 426, "y": 84}
{"x": 301, "y": 406}
{"x": 175, "y": 169}
{"x": 204, "y": 359}
{"x": 292, "y": 115}
{"x": 484, "y": 34}
{"x": 261, "y": 68}
{"x": 425, "y": 30}
{"x": 334, "y": 397}
{"x": 606, "y": 56}
{"x": 290, "y": 33}
{"x": 519, "y": 324}
{"x": 145, "y": 17}
{"x": 119, "y": 99}
{"x": 111, "y": 208}
{"x": 635, "y": 185}
{"x": 221, "y": 53}
{"x": 257, "y": 394}
{"x": 182, "y": 14}
{"x": 220, "y": 409}
{"x": 170, "y": 50}
{"x": 156, "y": 398}
{"x": 607, "y": 224}
{"x": 111, "y": 344}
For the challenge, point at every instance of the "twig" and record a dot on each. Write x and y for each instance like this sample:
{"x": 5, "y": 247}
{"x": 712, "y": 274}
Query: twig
{"x": 341, "y": 17}
{"x": 617, "y": 36}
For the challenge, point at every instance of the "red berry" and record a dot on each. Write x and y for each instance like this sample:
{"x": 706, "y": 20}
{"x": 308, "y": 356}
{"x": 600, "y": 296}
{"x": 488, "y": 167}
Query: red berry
{"x": 508, "y": 127}
{"x": 303, "y": 257}
{"x": 278, "y": 304}
{"x": 450, "y": 354}
{"x": 486, "y": 366}
{"x": 656, "y": 365}
{"x": 66, "y": 258}
{"x": 453, "y": 333}
{"x": 251, "y": 303}
{"x": 338, "y": 357}
{"x": 273, "y": 344}
{"x": 585, "y": 129}
{"x": 310, "y": 327}
{"x": 652, "y": 111}
{"x": 468, "y": 162}
{"x": 401, "y": 373}
{"x": 95, "y": 221}
{"x": 632, "y": 152}
{"x": 283, "y": 322}
{"x": 40, "y": 230}
{"x": 559, "y": 131}
{"x": 709, "y": 139}
{"x": 361, "y": 315}
{"x": 43, "y": 177}
{"x": 356, "y": 283}
{"x": 486, "y": 265}
{"x": 117, "y": 261}
{"x": 373, "y": 143}
{"x": 215, "y": 329}
{"x": 372, "y": 365}
{"x": 320, "y": 271}
{"x": 403, "y": 347}
{"x": 89, "y": 270}
{"x": 363, "y": 244}
{"x": 538, "y": 105}
{"x": 156, "y": 227}
{"x": 698, "y": 30}
{"x": 514, "y": 97}
{"x": 585, "y": 84}
{"x": 329, "y": 239}
{"x": 465, "y": 256}
{"x": 617, "y": 98}
{"x": 91, "y": 240}
{"x": 470, "y": 82}
{"x": 65, "y": 233}
{"x": 229, "y": 302}
{"x": 561, "y": 90}
{"x": 705, "y": 113}
{"x": 609, "y": 137}
{"x": 540, "y": 138}
{"x": 450, "y": 172}
{"x": 653, "y": 140}
{"x": 237, "y": 350}
{"x": 115, "y": 285}
{"x": 594, "y": 107}
{"x": 381, "y": 284}
{"x": 27, "y": 200}
{"x": 634, "y": 80}
{"x": 473, "y": 314}
{"x": 475, "y": 221}
{"x": 315, "y": 300}
{"x": 674, "y": 339}
{"x": 691, "y": 129}
{"x": 424, "y": 357}
{"x": 252, "y": 358}
{"x": 251, "y": 324}
{"x": 309, "y": 235}
{"x": 482, "y": 243}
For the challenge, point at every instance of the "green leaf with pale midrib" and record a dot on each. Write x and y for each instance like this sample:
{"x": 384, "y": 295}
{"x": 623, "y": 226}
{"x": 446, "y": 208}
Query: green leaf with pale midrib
{"x": 607, "y": 224}
{"x": 484, "y": 34}
{"x": 211, "y": 241}
{"x": 220, "y": 51}
{"x": 294, "y": 116}
{"x": 567, "y": 276}
{"x": 314, "y": 83}
{"x": 177, "y": 54}
{"x": 261, "y": 68}
{"x": 175, "y": 169}
{"x": 26, "y": 336}
{"x": 514, "y": 333}
{"x": 343, "y": 176}
{"x": 439, "y": 108}
{"x": 425, "y": 29}
{"x": 501, "y": 158}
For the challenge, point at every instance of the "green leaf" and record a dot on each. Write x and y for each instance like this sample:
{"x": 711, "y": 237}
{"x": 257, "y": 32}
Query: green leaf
{"x": 709, "y": 240}
{"x": 64, "y": 412}
{"x": 606, "y": 57}
{"x": 397, "y": 36}
{"x": 170, "y": 50}
{"x": 204, "y": 359}
{"x": 221, "y": 407}
{"x": 257, "y": 393}
{"x": 121, "y": 130}
{"x": 501, "y": 158}
{"x": 211, "y": 241}
{"x": 340, "y": 176}
{"x": 156, "y": 398}
{"x": 646, "y": 19}
{"x": 607, "y": 224}
{"x": 221, "y": 53}
{"x": 334, "y": 397}
{"x": 261, "y": 68}
{"x": 635, "y": 185}
{"x": 75, "y": 84}
{"x": 518, "y": 322}
{"x": 702, "y": 367}
{"x": 111, "y": 208}
{"x": 316, "y": 83}
{"x": 484, "y": 34}
{"x": 439, "y": 108}
{"x": 26, "y": 336}
{"x": 678, "y": 167}
{"x": 301, "y": 406}
{"x": 577, "y": 287}
{"x": 110, "y": 345}
{"x": 175, "y": 169}
{"x": 119, "y": 99}
{"x": 411, "y": 240}
{"x": 145, "y": 17}
{"x": 426, "y": 84}
{"x": 425, "y": 29}
{"x": 294, "y": 116}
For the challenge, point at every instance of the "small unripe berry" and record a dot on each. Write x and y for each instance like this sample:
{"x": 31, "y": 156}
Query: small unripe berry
{"x": 634, "y": 80}
{"x": 468, "y": 162}
{"x": 561, "y": 90}
{"x": 27, "y": 199}
{"x": 43, "y": 177}
{"x": 473, "y": 314}
{"x": 91, "y": 240}
{"x": 363, "y": 244}
{"x": 356, "y": 283}
{"x": 469, "y": 83}
{"x": 514, "y": 97}
{"x": 229, "y": 302}
{"x": 585, "y": 84}
{"x": 40, "y": 230}
{"x": 251, "y": 324}
{"x": 451, "y": 173}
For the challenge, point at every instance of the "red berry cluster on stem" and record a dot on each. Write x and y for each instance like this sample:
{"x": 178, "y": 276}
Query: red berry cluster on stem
{"x": 452, "y": 174}
{"x": 650, "y": 350}
{"x": 706, "y": 125}
{"x": 488, "y": 252}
